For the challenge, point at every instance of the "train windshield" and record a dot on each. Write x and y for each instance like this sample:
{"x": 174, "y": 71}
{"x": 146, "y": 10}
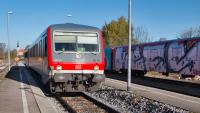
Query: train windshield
{"x": 76, "y": 42}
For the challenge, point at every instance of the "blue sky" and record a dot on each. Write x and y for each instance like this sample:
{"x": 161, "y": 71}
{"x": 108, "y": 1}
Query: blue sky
{"x": 162, "y": 18}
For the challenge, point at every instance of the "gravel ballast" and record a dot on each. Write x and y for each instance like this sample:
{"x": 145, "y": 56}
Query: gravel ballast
{"x": 129, "y": 102}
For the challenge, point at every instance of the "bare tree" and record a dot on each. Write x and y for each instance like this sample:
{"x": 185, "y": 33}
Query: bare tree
{"x": 141, "y": 35}
{"x": 190, "y": 33}
{"x": 187, "y": 33}
{"x": 197, "y": 32}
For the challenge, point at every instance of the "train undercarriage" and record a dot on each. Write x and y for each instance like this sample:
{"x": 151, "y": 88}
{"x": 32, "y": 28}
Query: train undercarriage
{"x": 75, "y": 82}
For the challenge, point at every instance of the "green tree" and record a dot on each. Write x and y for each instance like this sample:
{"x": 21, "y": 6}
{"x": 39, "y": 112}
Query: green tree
{"x": 115, "y": 33}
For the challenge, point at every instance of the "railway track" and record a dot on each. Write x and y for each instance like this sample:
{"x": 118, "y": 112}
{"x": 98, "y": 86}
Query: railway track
{"x": 83, "y": 103}
{"x": 76, "y": 102}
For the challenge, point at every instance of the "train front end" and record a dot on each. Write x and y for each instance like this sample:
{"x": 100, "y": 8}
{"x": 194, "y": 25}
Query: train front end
{"x": 76, "y": 59}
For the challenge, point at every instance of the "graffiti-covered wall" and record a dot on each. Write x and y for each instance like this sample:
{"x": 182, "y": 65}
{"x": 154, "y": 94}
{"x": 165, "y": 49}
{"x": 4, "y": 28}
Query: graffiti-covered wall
{"x": 183, "y": 57}
{"x": 177, "y": 56}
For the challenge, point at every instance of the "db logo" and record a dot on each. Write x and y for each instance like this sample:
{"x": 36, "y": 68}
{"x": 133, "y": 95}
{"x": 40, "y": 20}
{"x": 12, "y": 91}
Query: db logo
{"x": 78, "y": 67}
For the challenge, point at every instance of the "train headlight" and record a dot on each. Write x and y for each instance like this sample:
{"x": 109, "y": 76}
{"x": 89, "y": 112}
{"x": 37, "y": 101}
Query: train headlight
{"x": 59, "y": 68}
{"x": 96, "y": 68}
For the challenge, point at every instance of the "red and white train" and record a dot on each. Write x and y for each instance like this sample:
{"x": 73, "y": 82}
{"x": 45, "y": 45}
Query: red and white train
{"x": 70, "y": 57}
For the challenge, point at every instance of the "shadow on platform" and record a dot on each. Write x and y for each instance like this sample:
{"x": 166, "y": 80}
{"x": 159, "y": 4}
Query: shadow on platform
{"x": 14, "y": 74}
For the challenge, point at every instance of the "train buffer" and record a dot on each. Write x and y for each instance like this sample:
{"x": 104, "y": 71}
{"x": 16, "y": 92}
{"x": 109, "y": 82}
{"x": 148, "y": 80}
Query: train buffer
{"x": 19, "y": 93}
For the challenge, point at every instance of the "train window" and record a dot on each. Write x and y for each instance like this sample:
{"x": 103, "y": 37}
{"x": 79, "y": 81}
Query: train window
{"x": 36, "y": 49}
{"x": 33, "y": 51}
{"x": 87, "y": 44}
{"x": 40, "y": 48}
{"x": 34, "y": 54}
{"x": 65, "y": 43}
{"x": 76, "y": 42}
{"x": 42, "y": 45}
{"x": 45, "y": 46}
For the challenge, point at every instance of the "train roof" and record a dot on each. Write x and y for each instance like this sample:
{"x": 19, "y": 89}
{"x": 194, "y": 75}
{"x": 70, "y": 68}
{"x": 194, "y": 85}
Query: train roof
{"x": 179, "y": 40}
{"x": 162, "y": 42}
{"x": 68, "y": 27}
{"x": 73, "y": 27}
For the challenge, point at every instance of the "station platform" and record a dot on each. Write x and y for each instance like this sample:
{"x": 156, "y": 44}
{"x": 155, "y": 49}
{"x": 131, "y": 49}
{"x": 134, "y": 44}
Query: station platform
{"x": 186, "y": 102}
{"x": 19, "y": 93}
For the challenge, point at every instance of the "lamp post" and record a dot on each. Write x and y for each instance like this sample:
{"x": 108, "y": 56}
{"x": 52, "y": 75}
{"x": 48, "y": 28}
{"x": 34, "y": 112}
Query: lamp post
{"x": 129, "y": 46}
{"x": 69, "y": 15}
{"x": 8, "y": 34}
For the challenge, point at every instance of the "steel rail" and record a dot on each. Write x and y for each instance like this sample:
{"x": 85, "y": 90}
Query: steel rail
{"x": 100, "y": 105}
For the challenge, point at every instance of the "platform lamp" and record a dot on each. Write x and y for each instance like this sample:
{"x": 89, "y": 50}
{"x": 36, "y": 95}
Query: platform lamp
{"x": 69, "y": 15}
{"x": 8, "y": 34}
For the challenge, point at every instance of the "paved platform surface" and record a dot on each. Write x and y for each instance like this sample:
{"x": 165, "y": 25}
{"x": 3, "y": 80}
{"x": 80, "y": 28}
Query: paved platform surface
{"x": 20, "y": 94}
{"x": 176, "y": 99}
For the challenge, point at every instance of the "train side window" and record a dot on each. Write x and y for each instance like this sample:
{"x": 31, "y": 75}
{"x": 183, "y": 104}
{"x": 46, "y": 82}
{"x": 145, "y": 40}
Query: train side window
{"x": 35, "y": 51}
{"x": 45, "y": 47}
{"x": 40, "y": 48}
{"x": 36, "y": 48}
{"x": 32, "y": 52}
